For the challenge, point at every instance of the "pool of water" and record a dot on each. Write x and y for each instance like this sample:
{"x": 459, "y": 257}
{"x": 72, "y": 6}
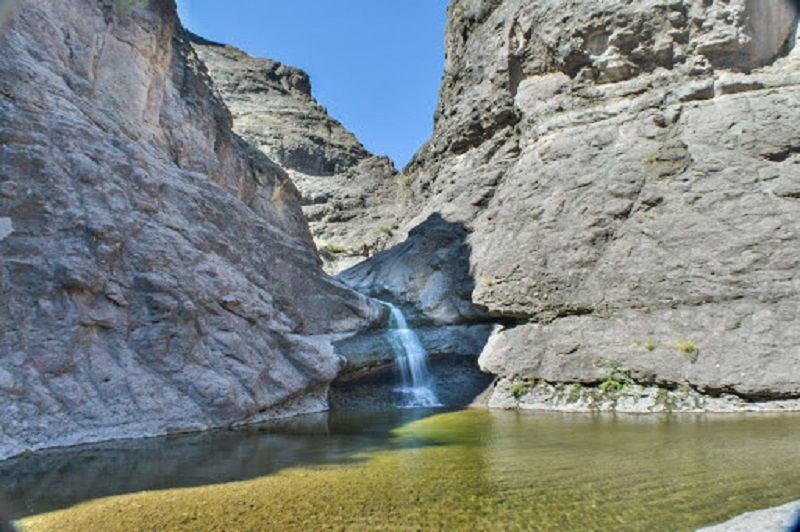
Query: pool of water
{"x": 423, "y": 469}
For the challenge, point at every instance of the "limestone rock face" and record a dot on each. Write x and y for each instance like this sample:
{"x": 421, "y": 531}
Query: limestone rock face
{"x": 428, "y": 274}
{"x": 351, "y": 198}
{"x": 628, "y": 176}
{"x": 156, "y": 274}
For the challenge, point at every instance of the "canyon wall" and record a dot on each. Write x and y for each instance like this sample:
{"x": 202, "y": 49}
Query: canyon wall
{"x": 156, "y": 272}
{"x": 351, "y": 198}
{"x": 615, "y": 186}
{"x": 627, "y": 178}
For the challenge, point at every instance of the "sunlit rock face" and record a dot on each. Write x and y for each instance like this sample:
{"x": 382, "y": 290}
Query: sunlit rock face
{"x": 156, "y": 273}
{"x": 351, "y": 198}
{"x": 628, "y": 175}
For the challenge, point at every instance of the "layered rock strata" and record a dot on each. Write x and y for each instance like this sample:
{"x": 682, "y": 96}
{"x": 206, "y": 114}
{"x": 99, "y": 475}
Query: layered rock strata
{"x": 627, "y": 176}
{"x": 351, "y": 198}
{"x": 156, "y": 273}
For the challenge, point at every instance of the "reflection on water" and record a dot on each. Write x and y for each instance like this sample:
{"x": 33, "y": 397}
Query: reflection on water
{"x": 57, "y": 479}
{"x": 474, "y": 468}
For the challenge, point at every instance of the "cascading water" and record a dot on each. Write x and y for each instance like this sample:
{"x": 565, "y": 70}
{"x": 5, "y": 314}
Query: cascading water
{"x": 411, "y": 360}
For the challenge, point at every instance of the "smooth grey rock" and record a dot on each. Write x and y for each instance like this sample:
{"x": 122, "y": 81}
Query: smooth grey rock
{"x": 428, "y": 274}
{"x": 456, "y": 380}
{"x": 160, "y": 276}
{"x": 777, "y": 519}
{"x": 372, "y": 350}
{"x": 624, "y": 173}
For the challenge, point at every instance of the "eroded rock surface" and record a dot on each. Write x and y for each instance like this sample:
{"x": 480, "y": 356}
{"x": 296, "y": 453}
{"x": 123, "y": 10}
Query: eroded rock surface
{"x": 156, "y": 274}
{"x": 627, "y": 175}
{"x": 776, "y": 519}
{"x": 351, "y": 198}
{"x": 428, "y": 273}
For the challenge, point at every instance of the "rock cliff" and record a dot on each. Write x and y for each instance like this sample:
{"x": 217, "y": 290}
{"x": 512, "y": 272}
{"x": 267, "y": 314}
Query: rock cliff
{"x": 627, "y": 176}
{"x": 156, "y": 272}
{"x": 351, "y": 198}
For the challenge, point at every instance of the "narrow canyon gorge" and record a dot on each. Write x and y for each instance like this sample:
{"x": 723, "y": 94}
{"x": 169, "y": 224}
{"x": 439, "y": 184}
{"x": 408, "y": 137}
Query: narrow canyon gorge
{"x": 220, "y": 311}
{"x": 606, "y": 217}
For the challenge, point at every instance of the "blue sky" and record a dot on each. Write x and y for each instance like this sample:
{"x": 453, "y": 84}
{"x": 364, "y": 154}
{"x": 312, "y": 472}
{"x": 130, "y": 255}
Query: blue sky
{"x": 375, "y": 64}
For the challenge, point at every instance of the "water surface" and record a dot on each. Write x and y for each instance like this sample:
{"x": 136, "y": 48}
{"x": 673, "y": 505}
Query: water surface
{"x": 467, "y": 469}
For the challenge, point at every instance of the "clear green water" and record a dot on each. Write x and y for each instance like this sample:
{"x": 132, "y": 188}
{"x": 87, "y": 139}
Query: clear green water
{"x": 472, "y": 469}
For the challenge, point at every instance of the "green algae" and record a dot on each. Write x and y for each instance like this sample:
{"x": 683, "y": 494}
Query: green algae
{"x": 484, "y": 470}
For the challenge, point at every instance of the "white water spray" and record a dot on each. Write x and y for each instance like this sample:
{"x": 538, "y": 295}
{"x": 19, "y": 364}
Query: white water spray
{"x": 412, "y": 362}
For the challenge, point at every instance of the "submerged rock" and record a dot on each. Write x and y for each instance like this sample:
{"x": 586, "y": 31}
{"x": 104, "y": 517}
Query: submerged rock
{"x": 156, "y": 273}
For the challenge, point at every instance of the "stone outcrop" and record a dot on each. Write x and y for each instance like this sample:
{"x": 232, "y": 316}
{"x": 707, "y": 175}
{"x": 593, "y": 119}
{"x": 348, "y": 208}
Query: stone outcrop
{"x": 351, "y": 198}
{"x": 627, "y": 176}
{"x": 156, "y": 272}
{"x": 776, "y": 519}
{"x": 428, "y": 276}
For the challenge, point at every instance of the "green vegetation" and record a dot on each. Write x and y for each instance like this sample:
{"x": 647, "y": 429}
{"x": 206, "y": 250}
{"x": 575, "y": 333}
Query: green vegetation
{"x": 459, "y": 10}
{"x": 322, "y": 132}
{"x": 329, "y": 250}
{"x": 648, "y": 345}
{"x": 575, "y": 392}
{"x": 610, "y": 385}
{"x": 349, "y": 141}
{"x": 650, "y": 158}
{"x": 521, "y": 386}
{"x": 126, "y": 6}
{"x": 617, "y": 374}
{"x": 253, "y": 145}
{"x": 518, "y": 388}
{"x": 489, "y": 282}
{"x": 689, "y": 349}
{"x": 403, "y": 180}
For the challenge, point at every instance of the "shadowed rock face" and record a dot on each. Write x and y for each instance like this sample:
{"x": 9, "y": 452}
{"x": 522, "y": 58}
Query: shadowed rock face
{"x": 428, "y": 275}
{"x": 156, "y": 274}
{"x": 628, "y": 175}
{"x": 350, "y": 197}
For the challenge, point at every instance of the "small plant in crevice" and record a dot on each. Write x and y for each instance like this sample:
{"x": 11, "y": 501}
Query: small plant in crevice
{"x": 489, "y": 282}
{"x": 328, "y": 250}
{"x": 648, "y": 345}
{"x": 403, "y": 180}
{"x": 610, "y": 385}
{"x": 521, "y": 386}
{"x": 619, "y": 374}
{"x": 459, "y": 10}
{"x": 575, "y": 392}
{"x": 126, "y": 6}
{"x": 252, "y": 145}
{"x": 349, "y": 141}
{"x": 650, "y": 158}
{"x": 689, "y": 349}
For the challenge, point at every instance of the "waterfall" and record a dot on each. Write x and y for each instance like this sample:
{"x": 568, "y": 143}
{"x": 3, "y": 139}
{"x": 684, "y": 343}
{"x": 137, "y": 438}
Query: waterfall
{"x": 411, "y": 360}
